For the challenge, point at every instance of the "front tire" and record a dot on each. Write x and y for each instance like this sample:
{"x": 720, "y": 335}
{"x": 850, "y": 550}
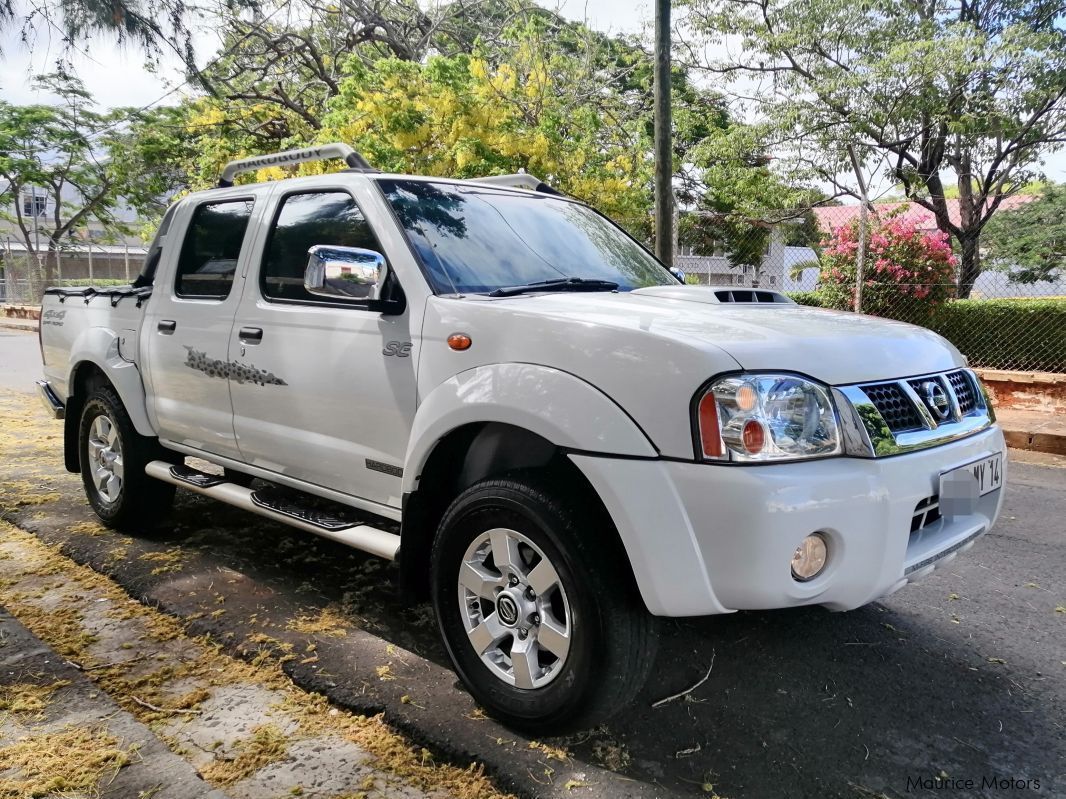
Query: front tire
{"x": 537, "y": 607}
{"x": 113, "y": 456}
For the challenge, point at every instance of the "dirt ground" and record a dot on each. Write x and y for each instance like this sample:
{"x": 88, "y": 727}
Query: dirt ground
{"x": 960, "y": 676}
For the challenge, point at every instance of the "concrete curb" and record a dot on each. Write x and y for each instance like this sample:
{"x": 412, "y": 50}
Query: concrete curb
{"x": 1035, "y": 431}
{"x": 425, "y": 702}
{"x": 25, "y": 325}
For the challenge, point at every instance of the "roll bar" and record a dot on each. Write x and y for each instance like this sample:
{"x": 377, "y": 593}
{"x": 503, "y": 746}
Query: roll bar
{"x": 518, "y": 181}
{"x": 322, "y": 152}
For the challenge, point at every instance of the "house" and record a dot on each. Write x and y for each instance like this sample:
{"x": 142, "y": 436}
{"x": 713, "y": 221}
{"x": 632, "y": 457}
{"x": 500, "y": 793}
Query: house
{"x": 717, "y": 270}
{"x": 831, "y": 217}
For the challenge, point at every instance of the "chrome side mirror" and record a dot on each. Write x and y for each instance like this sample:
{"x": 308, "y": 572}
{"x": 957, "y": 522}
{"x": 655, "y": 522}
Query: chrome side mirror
{"x": 345, "y": 273}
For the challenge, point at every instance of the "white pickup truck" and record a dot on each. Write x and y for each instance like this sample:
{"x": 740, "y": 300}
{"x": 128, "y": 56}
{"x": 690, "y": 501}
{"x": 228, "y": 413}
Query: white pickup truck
{"x": 501, "y": 389}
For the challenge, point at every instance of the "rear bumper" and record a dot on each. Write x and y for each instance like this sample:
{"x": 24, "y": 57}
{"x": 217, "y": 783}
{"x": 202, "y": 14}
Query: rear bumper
{"x": 51, "y": 401}
{"x": 707, "y": 539}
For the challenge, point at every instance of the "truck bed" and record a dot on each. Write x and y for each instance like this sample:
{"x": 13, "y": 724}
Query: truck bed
{"x": 69, "y": 315}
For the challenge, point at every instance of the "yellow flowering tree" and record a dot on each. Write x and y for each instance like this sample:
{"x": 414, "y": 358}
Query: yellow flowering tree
{"x": 461, "y": 116}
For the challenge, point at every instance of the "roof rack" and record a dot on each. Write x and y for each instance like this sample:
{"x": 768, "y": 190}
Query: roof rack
{"x": 322, "y": 152}
{"x": 519, "y": 181}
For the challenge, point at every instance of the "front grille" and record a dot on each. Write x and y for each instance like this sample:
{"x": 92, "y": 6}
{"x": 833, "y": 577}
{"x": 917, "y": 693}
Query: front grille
{"x": 926, "y": 513}
{"x": 963, "y": 392}
{"x": 914, "y": 413}
{"x": 894, "y": 406}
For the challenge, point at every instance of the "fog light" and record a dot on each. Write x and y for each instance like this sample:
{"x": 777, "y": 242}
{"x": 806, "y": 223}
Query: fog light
{"x": 809, "y": 558}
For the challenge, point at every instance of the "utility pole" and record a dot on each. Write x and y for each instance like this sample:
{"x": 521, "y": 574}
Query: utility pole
{"x": 860, "y": 254}
{"x": 664, "y": 151}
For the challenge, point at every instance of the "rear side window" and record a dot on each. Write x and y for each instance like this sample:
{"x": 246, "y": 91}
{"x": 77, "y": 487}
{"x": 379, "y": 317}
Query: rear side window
{"x": 211, "y": 248}
{"x": 304, "y": 220}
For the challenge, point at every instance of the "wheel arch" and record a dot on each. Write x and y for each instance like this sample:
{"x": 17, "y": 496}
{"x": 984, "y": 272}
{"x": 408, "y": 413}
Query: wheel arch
{"x": 496, "y": 418}
{"x": 88, "y": 373}
{"x": 467, "y": 455}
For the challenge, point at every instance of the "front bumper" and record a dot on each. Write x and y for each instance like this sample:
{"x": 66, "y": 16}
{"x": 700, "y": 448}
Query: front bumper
{"x": 707, "y": 539}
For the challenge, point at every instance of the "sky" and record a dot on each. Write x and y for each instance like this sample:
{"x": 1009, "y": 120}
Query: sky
{"x": 118, "y": 77}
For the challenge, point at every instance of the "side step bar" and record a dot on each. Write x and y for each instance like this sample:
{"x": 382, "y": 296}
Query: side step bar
{"x": 359, "y": 536}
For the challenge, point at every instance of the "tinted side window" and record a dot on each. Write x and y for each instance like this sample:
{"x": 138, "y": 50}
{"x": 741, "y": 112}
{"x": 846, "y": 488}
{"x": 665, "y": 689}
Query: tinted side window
{"x": 211, "y": 248}
{"x": 304, "y": 220}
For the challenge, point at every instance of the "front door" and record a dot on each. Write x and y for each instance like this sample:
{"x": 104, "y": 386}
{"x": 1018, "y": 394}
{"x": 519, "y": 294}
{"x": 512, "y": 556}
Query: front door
{"x": 188, "y": 327}
{"x": 327, "y": 394}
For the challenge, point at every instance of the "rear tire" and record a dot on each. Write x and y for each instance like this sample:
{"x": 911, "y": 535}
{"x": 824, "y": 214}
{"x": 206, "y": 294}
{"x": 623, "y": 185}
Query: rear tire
{"x": 112, "y": 456}
{"x": 537, "y": 606}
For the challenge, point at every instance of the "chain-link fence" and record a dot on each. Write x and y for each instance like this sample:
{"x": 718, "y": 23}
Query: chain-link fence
{"x": 24, "y": 276}
{"x": 891, "y": 261}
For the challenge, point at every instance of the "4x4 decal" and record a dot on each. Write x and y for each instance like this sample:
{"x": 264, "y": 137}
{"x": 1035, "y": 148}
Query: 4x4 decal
{"x": 230, "y": 370}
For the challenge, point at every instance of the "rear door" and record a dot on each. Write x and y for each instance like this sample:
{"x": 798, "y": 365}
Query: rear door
{"x": 327, "y": 395}
{"x": 188, "y": 322}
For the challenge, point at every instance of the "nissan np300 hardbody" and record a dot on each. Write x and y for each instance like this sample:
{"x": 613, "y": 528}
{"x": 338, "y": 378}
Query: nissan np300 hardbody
{"x": 498, "y": 387}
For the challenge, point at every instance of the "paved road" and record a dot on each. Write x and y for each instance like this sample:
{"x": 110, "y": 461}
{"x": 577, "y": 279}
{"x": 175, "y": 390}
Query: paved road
{"x": 961, "y": 676}
{"x": 20, "y": 360}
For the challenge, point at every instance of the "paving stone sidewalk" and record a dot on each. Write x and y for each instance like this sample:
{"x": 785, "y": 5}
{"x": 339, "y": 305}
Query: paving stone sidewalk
{"x": 101, "y": 696}
{"x": 47, "y": 703}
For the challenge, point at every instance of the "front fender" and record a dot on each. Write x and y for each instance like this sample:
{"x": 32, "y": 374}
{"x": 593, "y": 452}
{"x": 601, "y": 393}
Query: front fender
{"x": 555, "y": 405}
{"x": 102, "y": 347}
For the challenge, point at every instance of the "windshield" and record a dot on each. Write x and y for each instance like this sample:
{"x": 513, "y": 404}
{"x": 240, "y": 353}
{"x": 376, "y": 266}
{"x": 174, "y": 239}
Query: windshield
{"x": 474, "y": 239}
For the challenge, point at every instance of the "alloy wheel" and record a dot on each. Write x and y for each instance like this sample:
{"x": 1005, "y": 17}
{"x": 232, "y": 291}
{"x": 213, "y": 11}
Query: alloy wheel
{"x": 105, "y": 458}
{"x": 514, "y": 608}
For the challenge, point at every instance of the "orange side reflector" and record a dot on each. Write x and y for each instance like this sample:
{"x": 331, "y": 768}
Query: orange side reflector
{"x": 459, "y": 341}
{"x": 710, "y": 437}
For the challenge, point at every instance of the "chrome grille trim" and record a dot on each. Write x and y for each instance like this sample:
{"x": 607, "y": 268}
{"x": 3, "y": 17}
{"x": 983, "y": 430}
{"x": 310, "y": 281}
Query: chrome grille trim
{"x": 874, "y": 428}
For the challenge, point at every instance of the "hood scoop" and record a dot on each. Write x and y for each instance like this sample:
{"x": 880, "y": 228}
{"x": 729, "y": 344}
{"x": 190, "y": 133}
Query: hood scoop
{"x": 716, "y": 295}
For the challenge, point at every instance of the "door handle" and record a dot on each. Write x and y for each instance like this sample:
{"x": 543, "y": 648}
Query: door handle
{"x": 166, "y": 326}
{"x": 251, "y": 335}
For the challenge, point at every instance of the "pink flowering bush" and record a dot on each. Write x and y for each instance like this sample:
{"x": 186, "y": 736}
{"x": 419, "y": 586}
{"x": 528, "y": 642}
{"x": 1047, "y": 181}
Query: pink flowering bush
{"x": 907, "y": 274}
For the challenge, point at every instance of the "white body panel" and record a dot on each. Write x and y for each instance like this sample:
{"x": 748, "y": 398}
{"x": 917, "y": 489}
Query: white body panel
{"x": 343, "y": 417}
{"x": 74, "y": 332}
{"x": 555, "y": 405}
{"x": 189, "y": 404}
{"x": 609, "y": 378}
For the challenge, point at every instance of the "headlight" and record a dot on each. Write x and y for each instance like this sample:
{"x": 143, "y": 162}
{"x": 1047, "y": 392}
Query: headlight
{"x": 766, "y": 417}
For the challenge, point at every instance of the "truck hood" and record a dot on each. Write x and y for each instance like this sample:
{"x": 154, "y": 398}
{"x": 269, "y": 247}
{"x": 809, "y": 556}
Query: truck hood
{"x": 835, "y": 347}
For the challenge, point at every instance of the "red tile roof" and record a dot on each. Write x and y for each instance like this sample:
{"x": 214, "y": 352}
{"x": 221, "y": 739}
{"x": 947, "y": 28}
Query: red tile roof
{"x": 831, "y": 217}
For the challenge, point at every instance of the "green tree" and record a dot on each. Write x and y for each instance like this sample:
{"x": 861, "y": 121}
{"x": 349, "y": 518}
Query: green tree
{"x": 973, "y": 93}
{"x": 740, "y": 199}
{"x": 543, "y": 110}
{"x": 61, "y": 153}
{"x": 1029, "y": 242}
{"x": 528, "y": 91}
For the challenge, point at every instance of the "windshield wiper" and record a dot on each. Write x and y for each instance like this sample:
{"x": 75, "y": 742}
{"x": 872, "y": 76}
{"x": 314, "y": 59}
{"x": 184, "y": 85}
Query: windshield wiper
{"x": 556, "y": 284}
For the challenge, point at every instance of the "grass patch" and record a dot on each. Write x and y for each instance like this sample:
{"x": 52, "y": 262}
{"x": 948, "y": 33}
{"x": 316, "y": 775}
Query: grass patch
{"x": 70, "y": 761}
{"x": 267, "y": 745}
{"x": 27, "y": 699}
{"x": 327, "y": 623}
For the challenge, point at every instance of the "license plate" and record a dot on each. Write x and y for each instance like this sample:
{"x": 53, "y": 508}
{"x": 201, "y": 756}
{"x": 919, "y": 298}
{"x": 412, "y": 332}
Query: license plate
{"x": 960, "y": 488}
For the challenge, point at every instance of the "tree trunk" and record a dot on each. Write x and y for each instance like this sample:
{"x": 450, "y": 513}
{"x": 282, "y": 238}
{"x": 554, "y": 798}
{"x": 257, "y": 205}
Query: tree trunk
{"x": 50, "y": 264}
{"x": 970, "y": 266}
